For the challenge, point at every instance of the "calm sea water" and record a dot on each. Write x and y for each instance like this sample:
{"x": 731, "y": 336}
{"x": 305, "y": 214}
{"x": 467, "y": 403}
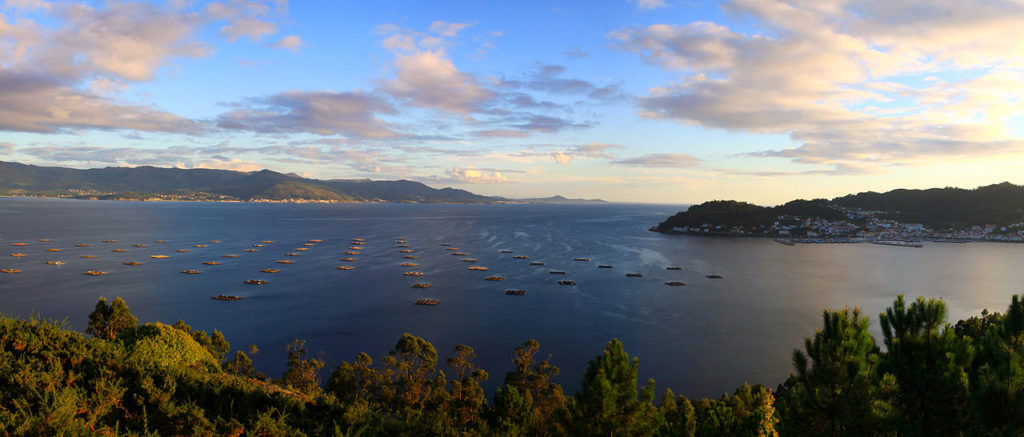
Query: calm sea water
{"x": 702, "y": 339}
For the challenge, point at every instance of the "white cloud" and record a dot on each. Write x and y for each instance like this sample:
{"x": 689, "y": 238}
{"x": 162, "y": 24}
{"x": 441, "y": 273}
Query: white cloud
{"x": 292, "y": 43}
{"x": 430, "y": 80}
{"x": 250, "y": 28}
{"x": 649, "y": 4}
{"x": 476, "y": 176}
{"x": 561, "y": 158}
{"x": 319, "y": 112}
{"x": 448, "y": 30}
{"x": 660, "y": 160}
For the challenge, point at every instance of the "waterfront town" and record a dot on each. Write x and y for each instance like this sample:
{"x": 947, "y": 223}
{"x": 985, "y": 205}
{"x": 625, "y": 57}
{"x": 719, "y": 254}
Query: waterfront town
{"x": 860, "y": 226}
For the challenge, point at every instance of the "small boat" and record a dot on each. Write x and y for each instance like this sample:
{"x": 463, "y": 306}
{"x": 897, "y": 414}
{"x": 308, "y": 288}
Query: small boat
{"x": 45, "y": 240}
{"x": 17, "y": 255}
{"x": 214, "y": 241}
{"x": 110, "y": 241}
{"x": 160, "y": 241}
{"x": 321, "y": 241}
{"x": 348, "y": 259}
{"x": 515, "y": 292}
{"x": 285, "y": 261}
{"x": 494, "y": 278}
{"x": 225, "y": 297}
{"x": 506, "y": 251}
{"x": 413, "y": 273}
{"x": 82, "y": 245}
{"x": 258, "y": 245}
{"x": 229, "y": 256}
{"x": 536, "y": 263}
{"x": 250, "y": 250}
{"x": 406, "y": 251}
{"x": 10, "y": 271}
{"x": 408, "y": 264}
{"x": 351, "y": 253}
{"x": 55, "y": 263}
{"x": 520, "y": 257}
{"x": 604, "y": 266}
{"x": 458, "y": 253}
{"x": 713, "y": 276}
{"x": 159, "y": 256}
{"x": 131, "y": 263}
{"x": 469, "y": 260}
{"x": 673, "y": 268}
{"x": 634, "y": 275}
{"x": 212, "y": 263}
{"x": 581, "y": 259}
{"x": 300, "y": 249}
{"x": 191, "y": 272}
{"x": 557, "y": 272}
{"x": 422, "y": 285}
{"x": 344, "y": 267}
{"x": 427, "y": 302}
{"x": 480, "y": 268}
{"x": 267, "y": 241}
{"x": 451, "y": 248}
{"x": 19, "y": 244}
{"x": 118, "y": 250}
{"x": 410, "y": 257}
{"x": 139, "y": 245}
{"x": 94, "y": 273}
{"x": 53, "y": 249}
{"x": 675, "y": 283}
{"x": 182, "y": 250}
{"x": 269, "y": 270}
{"x": 567, "y": 282}
{"x": 200, "y": 245}
{"x": 256, "y": 282}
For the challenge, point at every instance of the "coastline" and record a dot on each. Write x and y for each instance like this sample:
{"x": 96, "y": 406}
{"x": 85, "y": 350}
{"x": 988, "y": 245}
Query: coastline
{"x": 790, "y": 241}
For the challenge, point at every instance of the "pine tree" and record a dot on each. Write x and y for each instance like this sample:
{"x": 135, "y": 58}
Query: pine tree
{"x": 107, "y": 321}
{"x": 303, "y": 373}
{"x": 608, "y": 402}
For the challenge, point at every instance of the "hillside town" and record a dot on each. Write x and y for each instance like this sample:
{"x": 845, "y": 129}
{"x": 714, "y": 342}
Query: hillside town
{"x": 859, "y": 226}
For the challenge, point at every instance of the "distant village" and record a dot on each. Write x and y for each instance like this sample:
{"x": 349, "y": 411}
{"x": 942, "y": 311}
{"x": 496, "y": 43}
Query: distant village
{"x": 859, "y": 226}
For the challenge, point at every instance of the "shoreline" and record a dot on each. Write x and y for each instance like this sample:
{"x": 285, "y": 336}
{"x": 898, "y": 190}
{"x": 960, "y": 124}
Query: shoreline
{"x": 790, "y": 241}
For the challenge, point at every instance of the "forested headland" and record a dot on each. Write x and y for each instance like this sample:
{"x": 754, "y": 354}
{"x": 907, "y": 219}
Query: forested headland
{"x": 925, "y": 377}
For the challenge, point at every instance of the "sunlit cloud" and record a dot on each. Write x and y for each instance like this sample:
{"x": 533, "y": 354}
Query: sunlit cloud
{"x": 476, "y": 176}
{"x": 660, "y": 160}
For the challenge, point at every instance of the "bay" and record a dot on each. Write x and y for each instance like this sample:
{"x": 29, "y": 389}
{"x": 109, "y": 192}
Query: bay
{"x": 701, "y": 339}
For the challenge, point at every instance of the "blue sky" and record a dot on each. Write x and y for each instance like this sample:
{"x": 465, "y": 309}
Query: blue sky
{"x": 641, "y": 101}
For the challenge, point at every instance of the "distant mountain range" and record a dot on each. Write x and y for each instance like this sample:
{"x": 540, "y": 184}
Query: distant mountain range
{"x": 153, "y": 183}
{"x": 1000, "y": 204}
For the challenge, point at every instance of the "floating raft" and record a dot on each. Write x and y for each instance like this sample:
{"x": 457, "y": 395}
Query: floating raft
{"x": 355, "y": 248}
{"x": 257, "y": 282}
{"x": 351, "y": 253}
{"x": 481, "y": 268}
{"x": 358, "y": 243}
{"x": 159, "y": 256}
{"x": 200, "y": 245}
{"x": 469, "y": 260}
{"x": 451, "y": 248}
{"x": 567, "y": 282}
{"x": 225, "y": 297}
{"x": 55, "y": 263}
{"x": 213, "y": 241}
{"x": 413, "y": 273}
{"x": 19, "y": 244}
{"x": 160, "y": 241}
{"x": 422, "y": 285}
{"x": 258, "y": 245}
{"x": 212, "y": 263}
{"x": 354, "y": 239}
{"x": 515, "y": 292}
{"x": 292, "y": 254}
{"x": 131, "y": 263}
{"x": 84, "y": 256}
{"x": 45, "y": 240}
{"x": 118, "y": 250}
{"x": 506, "y": 251}
{"x": 191, "y": 272}
{"x": 82, "y": 245}
{"x": 604, "y": 266}
{"x": 17, "y": 255}
{"x": 94, "y": 273}
{"x": 494, "y": 278}
{"x": 713, "y": 276}
{"x": 348, "y": 259}
{"x": 284, "y": 261}
{"x": 344, "y": 267}
{"x": 557, "y": 272}
{"x": 269, "y": 270}
{"x": 110, "y": 241}
{"x": 229, "y": 256}
{"x": 406, "y": 251}
{"x": 300, "y": 249}
{"x": 581, "y": 259}
{"x": 10, "y": 271}
{"x": 673, "y": 268}
{"x": 400, "y": 241}
{"x": 634, "y": 275}
{"x": 410, "y": 257}
{"x": 309, "y": 244}
{"x": 520, "y": 257}
{"x": 321, "y": 241}
{"x": 536, "y": 263}
{"x": 402, "y": 245}
{"x": 53, "y": 249}
{"x": 267, "y": 241}
{"x": 182, "y": 250}
{"x": 458, "y": 253}
{"x": 139, "y": 245}
{"x": 250, "y": 250}
{"x": 675, "y": 283}
{"x": 408, "y": 264}
{"x": 427, "y": 302}
{"x": 446, "y": 244}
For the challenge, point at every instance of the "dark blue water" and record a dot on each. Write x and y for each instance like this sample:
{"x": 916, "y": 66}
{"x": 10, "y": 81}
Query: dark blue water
{"x": 701, "y": 339}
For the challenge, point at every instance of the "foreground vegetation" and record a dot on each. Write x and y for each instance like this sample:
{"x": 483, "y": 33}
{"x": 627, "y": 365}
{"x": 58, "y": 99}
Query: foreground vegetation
{"x": 933, "y": 379}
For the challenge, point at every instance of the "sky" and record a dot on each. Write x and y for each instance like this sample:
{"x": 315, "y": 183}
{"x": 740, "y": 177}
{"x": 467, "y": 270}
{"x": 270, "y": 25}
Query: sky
{"x": 653, "y": 101}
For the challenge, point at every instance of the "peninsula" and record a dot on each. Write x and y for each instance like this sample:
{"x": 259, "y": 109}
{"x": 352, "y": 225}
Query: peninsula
{"x": 989, "y": 213}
